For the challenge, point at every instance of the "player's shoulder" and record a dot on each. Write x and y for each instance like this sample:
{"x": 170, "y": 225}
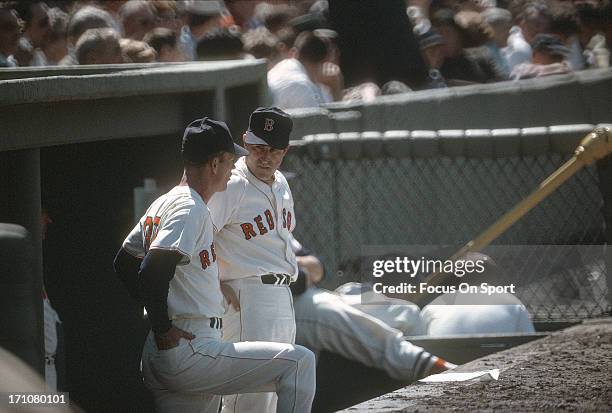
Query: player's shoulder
{"x": 185, "y": 196}
{"x": 181, "y": 199}
{"x": 238, "y": 179}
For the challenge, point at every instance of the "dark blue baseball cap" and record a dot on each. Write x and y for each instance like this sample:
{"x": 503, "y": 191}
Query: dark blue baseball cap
{"x": 269, "y": 126}
{"x": 206, "y": 137}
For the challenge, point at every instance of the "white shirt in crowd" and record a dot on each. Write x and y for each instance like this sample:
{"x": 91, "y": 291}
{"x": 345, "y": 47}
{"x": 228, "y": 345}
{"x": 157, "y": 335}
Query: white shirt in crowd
{"x": 292, "y": 88}
{"x": 518, "y": 49}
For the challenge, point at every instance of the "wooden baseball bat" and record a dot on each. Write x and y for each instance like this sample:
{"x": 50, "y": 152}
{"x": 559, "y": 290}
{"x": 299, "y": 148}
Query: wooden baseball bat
{"x": 594, "y": 146}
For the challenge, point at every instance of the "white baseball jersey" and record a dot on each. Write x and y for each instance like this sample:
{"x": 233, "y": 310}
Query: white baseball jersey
{"x": 255, "y": 221}
{"x": 504, "y": 313}
{"x": 180, "y": 221}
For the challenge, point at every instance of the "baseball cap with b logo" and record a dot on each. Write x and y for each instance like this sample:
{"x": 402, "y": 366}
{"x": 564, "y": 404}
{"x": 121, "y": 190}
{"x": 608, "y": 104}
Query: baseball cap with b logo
{"x": 206, "y": 137}
{"x": 269, "y": 126}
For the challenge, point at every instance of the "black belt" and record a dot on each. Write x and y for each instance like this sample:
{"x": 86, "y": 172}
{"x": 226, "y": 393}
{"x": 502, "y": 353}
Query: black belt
{"x": 276, "y": 279}
{"x": 216, "y": 322}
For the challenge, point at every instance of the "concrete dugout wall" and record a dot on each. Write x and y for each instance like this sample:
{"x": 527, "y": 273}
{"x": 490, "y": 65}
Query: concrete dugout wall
{"x": 580, "y": 97}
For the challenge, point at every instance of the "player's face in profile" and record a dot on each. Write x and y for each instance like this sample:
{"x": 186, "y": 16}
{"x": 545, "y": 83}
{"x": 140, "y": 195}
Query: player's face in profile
{"x": 224, "y": 170}
{"x": 264, "y": 160}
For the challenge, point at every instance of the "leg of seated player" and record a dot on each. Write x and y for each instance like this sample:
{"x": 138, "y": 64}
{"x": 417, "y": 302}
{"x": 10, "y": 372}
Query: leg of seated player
{"x": 324, "y": 322}
{"x": 184, "y": 378}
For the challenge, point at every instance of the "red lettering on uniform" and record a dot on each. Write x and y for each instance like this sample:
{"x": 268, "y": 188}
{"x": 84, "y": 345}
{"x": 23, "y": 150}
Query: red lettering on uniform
{"x": 248, "y": 231}
{"x": 269, "y": 218}
{"x": 260, "y": 225}
{"x": 284, "y": 218}
{"x": 204, "y": 259}
{"x": 289, "y": 221}
{"x": 156, "y": 222}
{"x": 149, "y": 229}
{"x": 212, "y": 250}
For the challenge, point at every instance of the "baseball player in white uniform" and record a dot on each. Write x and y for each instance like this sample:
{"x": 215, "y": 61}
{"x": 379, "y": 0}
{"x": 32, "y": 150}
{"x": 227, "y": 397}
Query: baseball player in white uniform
{"x": 169, "y": 263}
{"x": 456, "y": 314}
{"x": 476, "y": 313}
{"x": 255, "y": 218}
{"x": 326, "y": 322}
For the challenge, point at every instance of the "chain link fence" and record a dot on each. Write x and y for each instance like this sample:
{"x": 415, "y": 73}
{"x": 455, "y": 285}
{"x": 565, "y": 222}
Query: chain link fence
{"x": 348, "y": 201}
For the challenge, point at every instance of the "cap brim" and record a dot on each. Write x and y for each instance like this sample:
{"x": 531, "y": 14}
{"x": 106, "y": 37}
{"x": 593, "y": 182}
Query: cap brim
{"x": 240, "y": 151}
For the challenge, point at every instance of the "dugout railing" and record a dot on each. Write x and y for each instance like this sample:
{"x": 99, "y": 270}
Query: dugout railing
{"x": 380, "y": 191}
{"x": 574, "y": 98}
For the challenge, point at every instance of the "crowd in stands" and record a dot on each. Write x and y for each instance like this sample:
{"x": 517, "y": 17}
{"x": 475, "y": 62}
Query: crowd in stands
{"x": 324, "y": 50}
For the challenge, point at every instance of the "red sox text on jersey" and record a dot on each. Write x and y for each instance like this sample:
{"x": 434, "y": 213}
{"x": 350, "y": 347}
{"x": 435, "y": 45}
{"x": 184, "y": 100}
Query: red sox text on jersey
{"x": 249, "y": 230}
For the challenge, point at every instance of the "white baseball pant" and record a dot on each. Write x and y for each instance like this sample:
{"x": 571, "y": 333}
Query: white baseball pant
{"x": 325, "y": 322}
{"x": 191, "y": 377}
{"x": 266, "y": 314}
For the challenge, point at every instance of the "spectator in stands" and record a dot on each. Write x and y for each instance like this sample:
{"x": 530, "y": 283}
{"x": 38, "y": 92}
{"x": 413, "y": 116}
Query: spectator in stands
{"x": 262, "y": 44}
{"x": 432, "y": 48}
{"x": 112, "y": 7}
{"x": 243, "y": 13}
{"x": 135, "y": 51}
{"x": 221, "y": 44}
{"x": 532, "y": 18}
{"x": 286, "y": 38}
{"x": 564, "y": 24}
{"x": 465, "y": 59}
{"x": 369, "y": 91}
{"x": 56, "y": 46}
{"x": 99, "y": 46}
{"x": 200, "y": 17}
{"x": 591, "y": 34}
{"x": 137, "y": 17}
{"x": 549, "y": 58}
{"x": 166, "y": 45}
{"x": 35, "y": 31}
{"x": 394, "y": 87}
{"x": 500, "y": 21}
{"x": 606, "y": 15}
{"x": 10, "y": 31}
{"x": 294, "y": 81}
{"x": 167, "y": 16}
{"x": 88, "y": 17}
{"x": 275, "y": 16}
